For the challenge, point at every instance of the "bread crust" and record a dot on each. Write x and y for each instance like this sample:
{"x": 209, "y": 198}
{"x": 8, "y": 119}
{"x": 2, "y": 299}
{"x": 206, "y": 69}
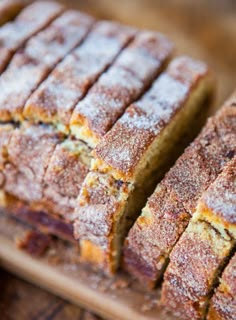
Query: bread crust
{"x": 30, "y": 66}
{"x": 171, "y": 206}
{"x": 120, "y": 85}
{"x": 203, "y": 250}
{"x": 28, "y": 153}
{"x": 67, "y": 169}
{"x": 145, "y": 119}
{"x": 223, "y": 302}
{"x": 144, "y": 122}
{"x": 31, "y": 20}
{"x": 56, "y": 98}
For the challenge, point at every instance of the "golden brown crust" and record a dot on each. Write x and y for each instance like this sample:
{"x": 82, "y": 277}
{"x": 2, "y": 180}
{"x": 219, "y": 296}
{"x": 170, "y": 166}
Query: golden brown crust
{"x": 120, "y": 85}
{"x": 223, "y": 303}
{"x": 55, "y": 99}
{"x": 124, "y": 146}
{"x": 170, "y": 207}
{"x": 31, "y": 20}
{"x": 32, "y": 64}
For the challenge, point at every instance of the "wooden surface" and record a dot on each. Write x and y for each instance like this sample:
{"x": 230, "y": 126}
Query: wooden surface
{"x": 204, "y": 29}
{"x": 59, "y": 270}
{"x": 22, "y": 301}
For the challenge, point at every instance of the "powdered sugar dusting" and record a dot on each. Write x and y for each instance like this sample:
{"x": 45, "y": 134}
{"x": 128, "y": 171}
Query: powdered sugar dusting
{"x": 123, "y": 82}
{"x": 29, "y": 21}
{"x": 125, "y": 144}
{"x": 75, "y": 74}
{"x": 157, "y": 106}
{"x": 52, "y": 44}
{"x": 36, "y": 60}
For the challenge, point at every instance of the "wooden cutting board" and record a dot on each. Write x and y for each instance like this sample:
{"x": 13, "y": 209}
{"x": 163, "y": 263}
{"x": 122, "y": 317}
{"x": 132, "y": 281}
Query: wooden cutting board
{"x": 60, "y": 272}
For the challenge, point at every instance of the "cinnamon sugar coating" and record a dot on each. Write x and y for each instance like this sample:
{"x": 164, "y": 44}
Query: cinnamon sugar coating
{"x": 39, "y": 56}
{"x": 195, "y": 264}
{"x": 55, "y": 99}
{"x": 202, "y": 251}
{"x": 123, "y": 83}
{"x": 29, "y": 152}
{"x": 101, "y": 197}
{"x": 223, "y": 303}
{"x": 124, "y": 146}
{"x": 5, "y": 136}
{"x": 30, "y": 21}
{"x": 169, "y": 209}
{"x": 221, "y": 195}
{"x": 66, "y": 171}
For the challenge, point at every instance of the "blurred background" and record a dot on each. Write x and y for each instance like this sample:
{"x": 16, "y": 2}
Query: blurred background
{"x": 204, "y": 29}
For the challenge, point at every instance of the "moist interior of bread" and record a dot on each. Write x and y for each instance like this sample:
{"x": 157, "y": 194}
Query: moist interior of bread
{"x": 79, "y": 148}
{"x": 81, "y": 131}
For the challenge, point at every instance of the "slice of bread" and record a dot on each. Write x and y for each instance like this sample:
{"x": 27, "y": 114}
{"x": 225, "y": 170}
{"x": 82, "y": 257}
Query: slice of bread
{"x": 30, "y": 66}
{"x": 203, "y": 250}
{"x": 223, "y": 302}
{"x": 56, "y": 98}
{"x": 169, "y": 209}
{"x": 131, "y": 149}
{"x": 130, "y": 75}
{"x": 64, "y": 176}
{"x": 132, "y": 155}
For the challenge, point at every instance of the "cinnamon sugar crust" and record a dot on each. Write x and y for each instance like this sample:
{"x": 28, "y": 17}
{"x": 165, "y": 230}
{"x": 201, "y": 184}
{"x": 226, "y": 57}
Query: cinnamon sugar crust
{"x": 55, "y": 99}
{"x": 171, "y": 206}
{"x": 39, "y": 56}
{"x": 120, "y": 85}
{"x": 100, "y": 203}
{"x": 147, "y": 120}
{"x": 204, "y": 248}
{"x": 195, "y": 264}
{"x": 223, "y": 303}
{"x": 221, "y": 195}
{"x": 121, "y": 152}
{"x": 66, "y": 171}
{"x": 29, "y": 151}
{"x": 30, "y": 21}
{"x": 5, "y": 135}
